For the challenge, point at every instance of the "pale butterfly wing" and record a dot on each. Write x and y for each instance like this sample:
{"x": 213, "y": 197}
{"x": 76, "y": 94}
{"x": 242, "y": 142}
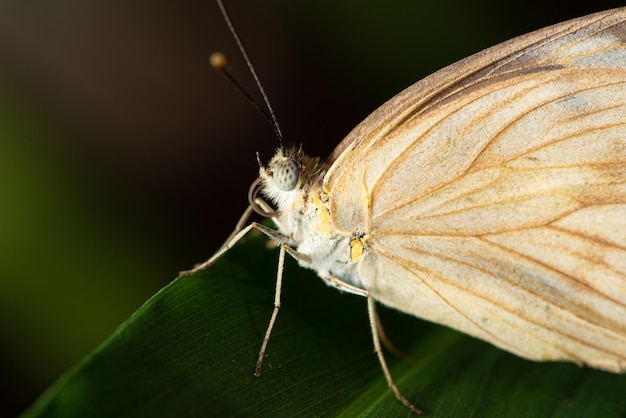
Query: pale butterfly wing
{"x": 492, "y": 194}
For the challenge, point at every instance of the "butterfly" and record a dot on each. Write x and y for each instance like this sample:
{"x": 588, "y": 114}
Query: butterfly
{"x": 489, "y": 197}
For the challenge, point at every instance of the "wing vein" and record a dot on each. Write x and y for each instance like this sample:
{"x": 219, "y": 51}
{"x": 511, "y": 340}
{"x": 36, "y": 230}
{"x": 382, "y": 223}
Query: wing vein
{"x": 408, "y": 266}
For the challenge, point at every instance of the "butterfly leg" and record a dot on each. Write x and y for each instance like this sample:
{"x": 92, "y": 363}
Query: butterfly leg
{"x": 240, "y": 232}
{"x": 373, "y": 316}
{"x": 376, "y": 328}
{"x": 237, "y": 235}
{"x": 270, "y": 326}
{"x": 341, "y": 285}
{"x": 388, "y": 344}
{"x": 333, "y": 281}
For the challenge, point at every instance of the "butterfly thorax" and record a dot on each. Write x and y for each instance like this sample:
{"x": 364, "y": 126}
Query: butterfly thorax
{"x": 292, "y": 181}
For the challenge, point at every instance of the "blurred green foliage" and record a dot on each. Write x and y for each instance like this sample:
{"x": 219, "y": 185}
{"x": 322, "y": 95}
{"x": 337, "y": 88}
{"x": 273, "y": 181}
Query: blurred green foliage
{"x": 64, "y": 266}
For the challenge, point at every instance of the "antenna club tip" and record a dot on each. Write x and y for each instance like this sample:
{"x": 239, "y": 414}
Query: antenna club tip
{"x": 218, "y": 61}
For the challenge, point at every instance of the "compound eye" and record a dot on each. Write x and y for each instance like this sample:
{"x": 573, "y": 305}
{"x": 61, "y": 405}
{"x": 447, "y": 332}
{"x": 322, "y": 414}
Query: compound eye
{"x": 286, "y": 175}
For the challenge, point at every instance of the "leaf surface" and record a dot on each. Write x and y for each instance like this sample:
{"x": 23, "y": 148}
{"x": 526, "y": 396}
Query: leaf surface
{"x": 191, "y": 350}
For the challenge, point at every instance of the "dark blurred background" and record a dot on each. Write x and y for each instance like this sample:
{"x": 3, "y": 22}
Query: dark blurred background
{"x": 124, "y": 158}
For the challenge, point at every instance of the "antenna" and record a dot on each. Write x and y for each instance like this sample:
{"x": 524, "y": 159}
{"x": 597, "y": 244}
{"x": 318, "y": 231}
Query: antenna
{"x": 271, "y": 117}
{"x": 219, "y": 63}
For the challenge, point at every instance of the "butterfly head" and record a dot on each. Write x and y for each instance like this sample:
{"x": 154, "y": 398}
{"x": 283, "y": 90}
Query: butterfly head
{"x": 282, "y": 178}
{"x": 285, "y": 170}
{"x": 285, "y": 178}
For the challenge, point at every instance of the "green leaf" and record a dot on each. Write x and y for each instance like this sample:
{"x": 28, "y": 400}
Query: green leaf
{"x": 191, "y": 350}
